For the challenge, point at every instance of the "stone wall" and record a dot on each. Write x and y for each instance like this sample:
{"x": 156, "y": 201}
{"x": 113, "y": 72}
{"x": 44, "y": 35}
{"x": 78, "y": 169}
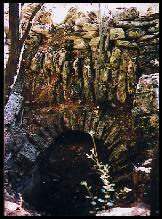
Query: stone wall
{"x": 146, "y": 120}
{"x": 146, "y": 114}
{"x": 92, "y": 61}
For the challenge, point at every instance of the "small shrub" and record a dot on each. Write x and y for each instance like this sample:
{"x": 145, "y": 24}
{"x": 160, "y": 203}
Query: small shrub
{"x": 98, "y": 203}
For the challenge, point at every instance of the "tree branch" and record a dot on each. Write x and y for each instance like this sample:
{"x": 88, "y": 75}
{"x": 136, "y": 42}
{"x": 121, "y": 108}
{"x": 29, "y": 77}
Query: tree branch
{"x": 21, "y": 41}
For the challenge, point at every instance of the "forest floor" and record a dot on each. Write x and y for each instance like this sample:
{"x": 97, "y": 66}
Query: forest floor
{"x": 11, "y": 208}
{"x": 137, "y": 209}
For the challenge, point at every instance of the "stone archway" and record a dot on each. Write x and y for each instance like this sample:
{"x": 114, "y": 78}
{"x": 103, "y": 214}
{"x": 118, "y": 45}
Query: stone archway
{"x": 55, "y": 188}
{"x": 109, "y": 131}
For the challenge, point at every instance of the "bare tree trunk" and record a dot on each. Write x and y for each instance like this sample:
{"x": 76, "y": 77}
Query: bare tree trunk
{"x": 15, "y": 99}
{"x": 11, "y": 67}
{"x": 16, "y": 44}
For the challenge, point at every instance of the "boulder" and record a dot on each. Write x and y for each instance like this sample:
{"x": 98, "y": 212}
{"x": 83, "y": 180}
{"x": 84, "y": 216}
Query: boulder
{"x": 125, "y": 24}
{"x": 131, "y": 211}
{"x": 28, "y": 154}
{"x": 147, "y": 37}
{"x": 148, "y": 18}
{"x": 125, "y": 43}
{"x": 95, "y": 41}
{"x": 143, "y": 24}
{"x": 147, "y": 100}
{"x": 129, "y": 14}
{"x": 153, "y": 29}
{"x": 77, "y": 28}
{"x": 79, "y": 43}
{"x": 154, "y": 41}
{"x": 115, "y": 58}
{"x": 90, "y": 34}
{"x": 135, "y": 33}
{"x": 117, "y": 33}
{"x": 41, "y": 29}
{"x": 81, "y": 21}
{"x": 90, "y": 27}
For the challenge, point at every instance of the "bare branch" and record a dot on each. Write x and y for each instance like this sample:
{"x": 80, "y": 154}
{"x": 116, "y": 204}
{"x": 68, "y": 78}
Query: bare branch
{"x": 29, "y": 25}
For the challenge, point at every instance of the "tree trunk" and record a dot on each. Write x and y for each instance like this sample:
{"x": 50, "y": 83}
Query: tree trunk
{"x": 11, "y": 67}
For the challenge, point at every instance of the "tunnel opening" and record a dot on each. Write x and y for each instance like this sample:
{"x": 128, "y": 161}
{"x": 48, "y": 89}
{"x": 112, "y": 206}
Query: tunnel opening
{"x": 56, "y": 185}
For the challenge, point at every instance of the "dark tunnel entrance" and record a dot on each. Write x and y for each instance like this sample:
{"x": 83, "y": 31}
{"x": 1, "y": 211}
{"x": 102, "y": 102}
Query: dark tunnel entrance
{"x": 56, "y": 188}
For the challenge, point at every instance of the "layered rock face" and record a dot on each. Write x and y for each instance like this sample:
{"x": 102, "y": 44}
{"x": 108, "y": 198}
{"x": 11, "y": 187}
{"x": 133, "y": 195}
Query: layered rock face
{"x": 82, "y": 75}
